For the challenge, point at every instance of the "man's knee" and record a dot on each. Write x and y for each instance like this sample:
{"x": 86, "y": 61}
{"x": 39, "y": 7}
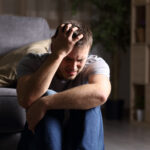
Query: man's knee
{"x": 52, "y": 115}
{"x": 49, "y": 92}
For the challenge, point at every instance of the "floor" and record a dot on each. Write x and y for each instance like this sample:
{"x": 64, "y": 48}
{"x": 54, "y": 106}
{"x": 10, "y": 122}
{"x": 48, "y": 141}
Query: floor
{"x": 121, "y": 135}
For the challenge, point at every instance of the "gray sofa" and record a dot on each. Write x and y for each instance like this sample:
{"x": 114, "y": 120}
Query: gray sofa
{"x": 16, "y": 31}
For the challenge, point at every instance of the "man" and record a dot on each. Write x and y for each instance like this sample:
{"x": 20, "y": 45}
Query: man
{"x": 62, "y": 93}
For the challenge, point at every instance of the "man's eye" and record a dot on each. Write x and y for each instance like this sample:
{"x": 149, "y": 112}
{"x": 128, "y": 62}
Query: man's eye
{"x": 80, "y": 60}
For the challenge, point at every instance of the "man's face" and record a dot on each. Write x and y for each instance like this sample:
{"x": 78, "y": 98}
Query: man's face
{"x": 73, "y": 63}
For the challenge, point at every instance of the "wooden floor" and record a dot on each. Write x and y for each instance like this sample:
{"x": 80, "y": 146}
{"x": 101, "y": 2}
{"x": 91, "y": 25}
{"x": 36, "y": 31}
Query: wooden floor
{"x": 126, "y": 136}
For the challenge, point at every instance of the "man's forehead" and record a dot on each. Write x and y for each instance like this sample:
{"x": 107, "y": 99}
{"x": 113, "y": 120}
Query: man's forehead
{"x": 76, "y": 57}
{"x": 78, "y": 53}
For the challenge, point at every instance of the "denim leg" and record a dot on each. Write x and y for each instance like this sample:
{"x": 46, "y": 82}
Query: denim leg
{"x": 48, "y": 133}
{"x": 85, "y": 130}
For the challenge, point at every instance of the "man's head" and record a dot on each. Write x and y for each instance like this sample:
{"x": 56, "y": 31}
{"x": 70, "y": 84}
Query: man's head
{"x": 75, "y": 61}
{"x": 82, "y": 29}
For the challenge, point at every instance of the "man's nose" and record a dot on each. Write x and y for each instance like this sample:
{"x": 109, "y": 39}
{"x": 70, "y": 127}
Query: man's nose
{"x": 74, "y": 65}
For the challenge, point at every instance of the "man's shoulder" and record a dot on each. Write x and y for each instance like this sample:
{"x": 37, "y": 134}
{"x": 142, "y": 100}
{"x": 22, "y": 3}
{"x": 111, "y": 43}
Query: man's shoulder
{"x": 33, "y": 56}
{"x": 96, "y": 65}
{"x": 30, "y": 63}
{"x": 92, "y": 59}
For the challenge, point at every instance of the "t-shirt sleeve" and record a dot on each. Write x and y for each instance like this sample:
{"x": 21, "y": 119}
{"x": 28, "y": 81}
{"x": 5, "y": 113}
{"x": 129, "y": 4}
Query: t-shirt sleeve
{"x": 28, "y": 64}
{"x": 97, "y": 65}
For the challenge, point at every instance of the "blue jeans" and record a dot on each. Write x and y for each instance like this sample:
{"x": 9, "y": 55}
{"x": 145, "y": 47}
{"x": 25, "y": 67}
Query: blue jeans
{"x": 82, "y": 131}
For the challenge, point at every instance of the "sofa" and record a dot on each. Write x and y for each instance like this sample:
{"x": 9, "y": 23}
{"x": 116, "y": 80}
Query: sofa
{"x": 16, "y": 33}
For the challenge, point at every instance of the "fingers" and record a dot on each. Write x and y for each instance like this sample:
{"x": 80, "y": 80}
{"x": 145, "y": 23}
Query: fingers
{"x": 70, "y": 31}
{"x": 32, "y": 129}
{"x": 66, "y": 28}
{"x": 78, "y": 38}
{"x": 30, "y": 123}
{"x": 60, "y": 28}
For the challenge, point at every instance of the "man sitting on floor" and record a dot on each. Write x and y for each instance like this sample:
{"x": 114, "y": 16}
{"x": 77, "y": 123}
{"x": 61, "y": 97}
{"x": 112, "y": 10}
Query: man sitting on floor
{"x": 62, "y": 92}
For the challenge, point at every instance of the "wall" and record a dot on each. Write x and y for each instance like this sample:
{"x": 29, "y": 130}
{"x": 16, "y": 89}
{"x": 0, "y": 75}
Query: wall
{"x": 54, "y": 11}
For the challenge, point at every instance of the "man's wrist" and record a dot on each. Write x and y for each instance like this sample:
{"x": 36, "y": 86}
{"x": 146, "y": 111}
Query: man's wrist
{"x": 46, "y": 100}
{"x": 58, "y": 55}
{"x": 43, "y": 103}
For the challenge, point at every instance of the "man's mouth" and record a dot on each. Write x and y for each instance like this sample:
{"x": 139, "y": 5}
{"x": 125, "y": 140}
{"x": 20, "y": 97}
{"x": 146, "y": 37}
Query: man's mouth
{"x": 71, "y": 73}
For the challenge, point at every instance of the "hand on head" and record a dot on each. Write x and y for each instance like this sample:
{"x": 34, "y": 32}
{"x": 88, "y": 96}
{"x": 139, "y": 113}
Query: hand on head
{"x": 66, "y": 38}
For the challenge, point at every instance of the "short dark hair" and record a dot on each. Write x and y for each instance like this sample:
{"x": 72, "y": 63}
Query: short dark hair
{"x": 82, "y": 29}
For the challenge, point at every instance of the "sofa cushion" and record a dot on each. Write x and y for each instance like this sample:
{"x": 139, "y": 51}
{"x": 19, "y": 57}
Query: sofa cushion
{"x": 17, "y": 31}
{"x": 7, "y": 92}
{"x": 12, "y": 115}
{"x": 9, "y": 61}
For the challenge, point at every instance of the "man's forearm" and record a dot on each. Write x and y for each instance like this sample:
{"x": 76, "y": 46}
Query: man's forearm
{"x": 38, "y": 83}
{"x": 81, "y": 97}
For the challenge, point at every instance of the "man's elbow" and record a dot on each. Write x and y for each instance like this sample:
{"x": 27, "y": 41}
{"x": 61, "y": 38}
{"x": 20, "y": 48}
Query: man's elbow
{"x": 103, "y": 95}
{"x": 24, "y": 103}
{"x": 103, "y": 99}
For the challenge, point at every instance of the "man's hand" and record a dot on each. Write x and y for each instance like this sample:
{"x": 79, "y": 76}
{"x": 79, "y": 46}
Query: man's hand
{"x": 63, "y": 42}
{"x": 35, "y": 113}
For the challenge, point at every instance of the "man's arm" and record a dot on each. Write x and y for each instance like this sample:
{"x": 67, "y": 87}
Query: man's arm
{"x": 32, "y": 87}
{"x": 82, "y": 97}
